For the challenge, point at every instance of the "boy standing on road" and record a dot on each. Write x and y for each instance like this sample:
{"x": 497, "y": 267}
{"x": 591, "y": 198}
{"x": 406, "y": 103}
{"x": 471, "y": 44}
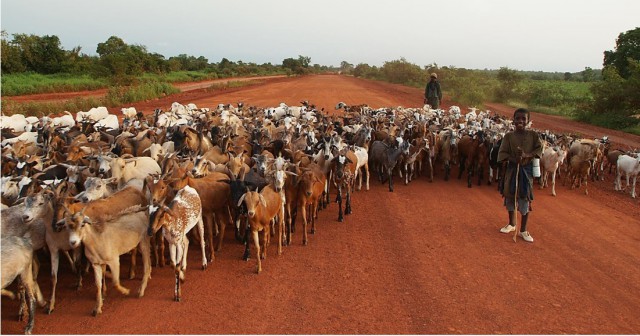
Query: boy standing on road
{"x": 517, "y": 151}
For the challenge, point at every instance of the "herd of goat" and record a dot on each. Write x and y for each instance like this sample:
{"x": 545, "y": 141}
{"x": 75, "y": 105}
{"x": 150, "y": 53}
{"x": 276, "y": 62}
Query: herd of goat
{"x": 95, "y": 187}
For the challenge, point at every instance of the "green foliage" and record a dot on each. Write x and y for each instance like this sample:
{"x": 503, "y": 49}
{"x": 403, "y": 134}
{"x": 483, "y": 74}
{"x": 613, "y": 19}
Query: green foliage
{"x": 366, "y": 71}
{"x": 298, "y": 66}
{"x": 618, "y": 120}
{"x": 627, "y": 48}
{"x": 41, "y": 54}
{"x": 615, "y": 94}
{"x": 32, "y": 83}
{"x": 346, "y": 68}
{"x": 554, "y": 93}
{"x": 11, "y": 57}
{"x": 119, "y": 95}
{"x": 191, "y": 63}
{"x": 402, "y": 72}
{"x": 467, "y": 87}
{"x": 509, "y": 81}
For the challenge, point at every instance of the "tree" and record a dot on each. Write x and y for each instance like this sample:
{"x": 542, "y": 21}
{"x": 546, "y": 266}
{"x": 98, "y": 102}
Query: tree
{"x": 403, "y": 72}
{"x": 588, "y": 75}
{"x": 346, "y": 67}
{"x": 112, "y": 45}
{"x": 627, "y": 47}
{"x": 509, "y": 82}
{"x": 298, "y": 66}
{"x": 11, "y": 56}
{"x": 568, "y": 76}
{"x": 40, "y": 54}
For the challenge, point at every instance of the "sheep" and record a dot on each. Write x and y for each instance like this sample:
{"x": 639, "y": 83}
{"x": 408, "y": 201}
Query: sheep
{"x": 126, "y": 169}
{"x": 94, "y": 114}
{"x": 108, "y": 122}
{"x": 105, "y": 242}
{"x": 16, "y": 122}
{"x": 26, "y": 137}
{"x": 17, "y": 256}
{"x": 129, "y": 112}
{"x": 630, "y": 167}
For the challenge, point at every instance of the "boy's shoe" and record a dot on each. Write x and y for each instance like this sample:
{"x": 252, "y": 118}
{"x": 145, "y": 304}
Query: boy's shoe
{"x": 508, "y": 228}
{"x": 526, "y": 236}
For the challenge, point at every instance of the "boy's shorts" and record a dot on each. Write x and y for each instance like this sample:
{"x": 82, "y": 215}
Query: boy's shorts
{"x": 523, "y": 205}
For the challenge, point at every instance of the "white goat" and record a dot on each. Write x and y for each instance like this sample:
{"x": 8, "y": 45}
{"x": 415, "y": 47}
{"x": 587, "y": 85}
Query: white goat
{"x": 630, "y": 167}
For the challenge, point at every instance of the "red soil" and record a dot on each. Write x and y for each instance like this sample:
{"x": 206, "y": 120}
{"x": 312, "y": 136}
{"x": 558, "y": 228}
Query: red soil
{"x": 425, "y": 259}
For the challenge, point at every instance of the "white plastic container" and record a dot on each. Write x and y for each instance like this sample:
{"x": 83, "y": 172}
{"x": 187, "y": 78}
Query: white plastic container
{"x": 536, "y": 167}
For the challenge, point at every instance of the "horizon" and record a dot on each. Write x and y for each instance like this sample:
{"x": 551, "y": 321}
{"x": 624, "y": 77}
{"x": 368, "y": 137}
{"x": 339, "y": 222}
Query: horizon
{"x": 535, "y": 36}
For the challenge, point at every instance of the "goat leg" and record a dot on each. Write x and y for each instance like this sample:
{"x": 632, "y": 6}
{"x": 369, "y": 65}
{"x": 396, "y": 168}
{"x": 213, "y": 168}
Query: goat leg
{"x": 245, "y": 240}
{"x": 347, "y": 206}
{"x": 340, "y": 216}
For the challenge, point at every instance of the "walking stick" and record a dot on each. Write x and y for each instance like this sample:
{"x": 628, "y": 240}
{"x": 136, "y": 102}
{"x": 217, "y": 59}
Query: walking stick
{"x": 515, "y": 202}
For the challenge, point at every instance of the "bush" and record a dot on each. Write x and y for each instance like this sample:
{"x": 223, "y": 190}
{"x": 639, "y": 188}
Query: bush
{"x": 119, "y": 95}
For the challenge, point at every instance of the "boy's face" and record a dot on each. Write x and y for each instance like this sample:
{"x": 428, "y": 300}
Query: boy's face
{"x": 520, "y": 121}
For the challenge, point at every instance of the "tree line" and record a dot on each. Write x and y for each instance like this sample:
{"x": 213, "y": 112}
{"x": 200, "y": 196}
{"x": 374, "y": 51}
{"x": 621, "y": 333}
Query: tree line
{"x": 122, "y": 63}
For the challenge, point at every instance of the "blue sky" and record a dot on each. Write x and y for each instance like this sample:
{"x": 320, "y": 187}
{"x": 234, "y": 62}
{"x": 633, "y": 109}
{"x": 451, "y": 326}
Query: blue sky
{"x": 546, "y": 35}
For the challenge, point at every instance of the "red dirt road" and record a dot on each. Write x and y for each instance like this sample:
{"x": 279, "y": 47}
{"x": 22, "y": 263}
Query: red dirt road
{"x": 425, "y": 259}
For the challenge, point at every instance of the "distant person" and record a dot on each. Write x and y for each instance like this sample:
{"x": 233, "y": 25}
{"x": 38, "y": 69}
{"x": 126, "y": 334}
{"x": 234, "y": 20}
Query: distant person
{"x": 432, "y": 92}
{"x": 518, "y": 149}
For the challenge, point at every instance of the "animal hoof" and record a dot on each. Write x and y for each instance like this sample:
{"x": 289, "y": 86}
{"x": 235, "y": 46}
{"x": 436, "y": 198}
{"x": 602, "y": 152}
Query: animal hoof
{"x": 49, "y": 311}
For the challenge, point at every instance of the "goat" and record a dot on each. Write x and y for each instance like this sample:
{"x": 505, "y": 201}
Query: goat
{"x": 447, "y": 150}
{"x": 17, "y": 256}
{"x": 384, "y": 159}
{"x": 262, "y": 208}
{"x": 343, "y": 168}
{"x": 552, "y": 158}
{"x": 184, "y": 212}
{"x": 629, "y": 167}
{"x": 472, "y": 150}
{"x": 310, "y": 191}
{"x": 105, "y": 242}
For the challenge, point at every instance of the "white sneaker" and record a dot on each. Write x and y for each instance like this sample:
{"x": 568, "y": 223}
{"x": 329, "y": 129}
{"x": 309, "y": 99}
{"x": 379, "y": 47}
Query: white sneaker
{"x": 508, "y": 228}
{"x": 526, "y": 236}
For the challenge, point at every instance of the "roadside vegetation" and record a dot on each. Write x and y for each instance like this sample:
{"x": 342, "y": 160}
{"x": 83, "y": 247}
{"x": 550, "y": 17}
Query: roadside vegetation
{"x": 609, "y": 97}
{"x": 31, "y": 64}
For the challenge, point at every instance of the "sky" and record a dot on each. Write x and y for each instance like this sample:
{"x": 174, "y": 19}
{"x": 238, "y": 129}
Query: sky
{"x": 532, "y": 35}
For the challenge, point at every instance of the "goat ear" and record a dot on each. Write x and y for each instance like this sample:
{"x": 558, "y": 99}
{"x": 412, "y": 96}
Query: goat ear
{"x": 262, "y": 200}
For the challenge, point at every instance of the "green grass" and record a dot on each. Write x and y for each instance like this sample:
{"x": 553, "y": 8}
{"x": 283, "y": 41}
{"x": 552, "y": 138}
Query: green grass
{"x": 32, "y": 83}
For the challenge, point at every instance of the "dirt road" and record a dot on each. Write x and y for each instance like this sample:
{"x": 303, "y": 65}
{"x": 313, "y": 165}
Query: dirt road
{"x": 425, "y": 259}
